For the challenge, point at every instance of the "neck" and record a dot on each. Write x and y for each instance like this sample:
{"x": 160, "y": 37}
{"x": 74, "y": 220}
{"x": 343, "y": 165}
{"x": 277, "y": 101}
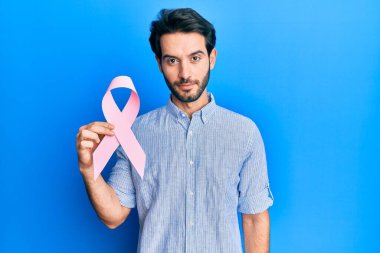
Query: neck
{"x": 190, "y": 107}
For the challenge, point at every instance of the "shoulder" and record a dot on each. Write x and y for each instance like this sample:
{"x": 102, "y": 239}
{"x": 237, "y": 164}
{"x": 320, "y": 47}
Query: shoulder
{"x": 151, "y": 115}
{"x": 149, "y": 119}
{"x": 241, "y": 128}
{"x": 236, "y": 120}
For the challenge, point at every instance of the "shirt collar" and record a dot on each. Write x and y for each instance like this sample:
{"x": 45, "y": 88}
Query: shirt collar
{"x": 205, "y": 113}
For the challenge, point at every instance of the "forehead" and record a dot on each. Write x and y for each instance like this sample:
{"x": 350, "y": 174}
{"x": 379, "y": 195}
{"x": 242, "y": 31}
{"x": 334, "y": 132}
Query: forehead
{"x": 182, "y": 44}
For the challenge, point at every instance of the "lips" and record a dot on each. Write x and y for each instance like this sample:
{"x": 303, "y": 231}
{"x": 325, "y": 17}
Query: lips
{"x": 185, "y": 86}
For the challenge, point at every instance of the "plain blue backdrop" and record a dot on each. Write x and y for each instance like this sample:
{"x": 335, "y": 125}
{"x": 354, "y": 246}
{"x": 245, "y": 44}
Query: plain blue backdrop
{"x": 307, "y": 72}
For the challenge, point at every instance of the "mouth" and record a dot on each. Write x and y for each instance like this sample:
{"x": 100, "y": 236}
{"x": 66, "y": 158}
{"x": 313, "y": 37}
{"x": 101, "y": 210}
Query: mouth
{"x": 186, "y": 86}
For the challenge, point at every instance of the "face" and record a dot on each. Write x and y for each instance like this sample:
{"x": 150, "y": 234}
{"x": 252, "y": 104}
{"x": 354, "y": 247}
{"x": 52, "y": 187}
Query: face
{"x": 185, "y": 64}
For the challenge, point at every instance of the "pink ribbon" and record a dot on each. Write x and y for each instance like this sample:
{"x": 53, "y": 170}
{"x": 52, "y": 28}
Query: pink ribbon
{"x": 122, "y": 120}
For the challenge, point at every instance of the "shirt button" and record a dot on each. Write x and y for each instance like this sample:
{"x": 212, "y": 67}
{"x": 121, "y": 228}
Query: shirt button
{"x": 191, "y": 193}
{"x": 191, "y": 162}
{"x": 190, "y": 132}
{"x": 183, "y": 115}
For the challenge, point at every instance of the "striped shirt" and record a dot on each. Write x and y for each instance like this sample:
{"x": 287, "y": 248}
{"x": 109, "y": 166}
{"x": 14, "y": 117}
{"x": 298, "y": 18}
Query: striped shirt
{"x": 198, "y": 174}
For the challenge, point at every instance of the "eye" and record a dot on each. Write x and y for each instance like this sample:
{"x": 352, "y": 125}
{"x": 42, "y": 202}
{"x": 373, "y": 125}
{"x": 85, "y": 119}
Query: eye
{"x": 195, "y": 58}
{"x": 172, "y": 61}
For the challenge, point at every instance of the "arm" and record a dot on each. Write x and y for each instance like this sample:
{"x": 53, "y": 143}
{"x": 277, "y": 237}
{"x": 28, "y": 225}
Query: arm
{"x": 102, "y": 196}
{"x": 256, "y": 228}
{"x": 104, "y": 200}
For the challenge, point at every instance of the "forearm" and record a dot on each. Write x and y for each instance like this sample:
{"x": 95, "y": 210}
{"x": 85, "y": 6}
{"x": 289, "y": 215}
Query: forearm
{"x": 103, "y": 199}
{"x": 256, "y": 232}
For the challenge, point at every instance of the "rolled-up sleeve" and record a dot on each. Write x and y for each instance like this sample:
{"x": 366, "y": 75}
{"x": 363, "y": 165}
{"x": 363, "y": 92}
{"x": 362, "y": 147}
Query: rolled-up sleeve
{"x": 121, "y": 180}
{"x": 255, "y": 195}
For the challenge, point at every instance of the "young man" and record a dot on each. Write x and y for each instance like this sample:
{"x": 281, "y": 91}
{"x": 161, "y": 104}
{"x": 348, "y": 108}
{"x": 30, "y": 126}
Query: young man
{"x": 203, "y": 163}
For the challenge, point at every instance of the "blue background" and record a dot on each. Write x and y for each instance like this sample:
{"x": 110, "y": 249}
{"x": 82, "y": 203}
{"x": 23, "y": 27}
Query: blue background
{"x": 307, "y": 72}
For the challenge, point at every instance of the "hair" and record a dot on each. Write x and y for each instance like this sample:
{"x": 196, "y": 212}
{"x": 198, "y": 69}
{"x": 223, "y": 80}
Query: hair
{"x": 180, "y": 20}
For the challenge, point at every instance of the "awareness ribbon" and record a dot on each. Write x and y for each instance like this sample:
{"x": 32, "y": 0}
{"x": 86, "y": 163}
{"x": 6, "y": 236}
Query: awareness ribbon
{"x": 122, "y": 120}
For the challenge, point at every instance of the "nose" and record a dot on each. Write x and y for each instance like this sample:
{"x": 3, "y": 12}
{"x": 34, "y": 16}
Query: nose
{"x": 184, "y": 70}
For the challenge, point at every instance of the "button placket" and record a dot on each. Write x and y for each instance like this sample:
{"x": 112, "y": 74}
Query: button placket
{"x": 190, "y": 184}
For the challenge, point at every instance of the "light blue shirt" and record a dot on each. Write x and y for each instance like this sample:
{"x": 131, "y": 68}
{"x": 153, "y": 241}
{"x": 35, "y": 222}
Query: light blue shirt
{"x": 198, "y": 174}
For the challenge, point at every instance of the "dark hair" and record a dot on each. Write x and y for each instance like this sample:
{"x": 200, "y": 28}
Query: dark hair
{"x": 180, "y": 20}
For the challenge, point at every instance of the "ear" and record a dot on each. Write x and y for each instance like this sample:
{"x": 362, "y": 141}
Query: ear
{"x": 159, "y": 63}
{"x": 213, "y": 58}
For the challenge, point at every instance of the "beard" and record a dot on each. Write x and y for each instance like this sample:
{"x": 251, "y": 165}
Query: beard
{"x": 188, "y": 98}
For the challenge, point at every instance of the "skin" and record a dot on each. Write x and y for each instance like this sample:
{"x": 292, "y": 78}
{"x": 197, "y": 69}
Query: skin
{"x": 102, "y": 196}
{"x": 256, "y": 229}
{"x": 185, "y": 65}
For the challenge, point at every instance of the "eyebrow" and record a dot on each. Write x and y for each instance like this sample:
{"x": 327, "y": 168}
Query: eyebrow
{"x": 172, "y": 56}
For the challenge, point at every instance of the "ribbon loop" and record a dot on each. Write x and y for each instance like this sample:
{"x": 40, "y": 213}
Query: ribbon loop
{"x": 122, "y": 120}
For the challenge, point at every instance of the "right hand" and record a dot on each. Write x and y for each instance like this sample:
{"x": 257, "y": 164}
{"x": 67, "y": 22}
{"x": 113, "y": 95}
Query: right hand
{"x": 88, "y": 139}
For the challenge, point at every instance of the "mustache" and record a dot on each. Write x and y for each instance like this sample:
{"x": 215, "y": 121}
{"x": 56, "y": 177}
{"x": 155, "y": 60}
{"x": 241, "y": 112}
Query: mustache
{"x": 186, "y": 81}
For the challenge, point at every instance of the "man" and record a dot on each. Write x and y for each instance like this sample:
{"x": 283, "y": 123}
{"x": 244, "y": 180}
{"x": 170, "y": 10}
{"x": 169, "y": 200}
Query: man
{"x": 204, "y": 163}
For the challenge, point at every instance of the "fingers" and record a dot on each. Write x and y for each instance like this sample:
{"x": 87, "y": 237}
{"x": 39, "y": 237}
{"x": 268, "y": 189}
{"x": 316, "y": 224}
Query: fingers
{"x": 87, "y": 134}
{"x": 96, "y": 127}
{"x": 92, "y": 133}
{"x": 100, "y": 129}
{"x": 103, "y": 124}
{"x": 86, "y": 144}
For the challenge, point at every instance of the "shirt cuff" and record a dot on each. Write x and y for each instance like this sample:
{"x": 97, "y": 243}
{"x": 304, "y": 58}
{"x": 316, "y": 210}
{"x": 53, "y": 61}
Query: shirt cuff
{"x": 257, "y": 203}
{"x": 125, "y": 199}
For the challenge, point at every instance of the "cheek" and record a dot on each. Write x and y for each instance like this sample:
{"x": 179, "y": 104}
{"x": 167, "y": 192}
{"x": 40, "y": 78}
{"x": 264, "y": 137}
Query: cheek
{"x": 202, "y": 69}
{"x": 170, "y": 72}
{"x": 170, "y": 75}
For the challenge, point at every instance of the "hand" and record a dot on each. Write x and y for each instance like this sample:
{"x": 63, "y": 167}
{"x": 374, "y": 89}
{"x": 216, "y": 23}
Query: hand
{"x": 88, "y": 139}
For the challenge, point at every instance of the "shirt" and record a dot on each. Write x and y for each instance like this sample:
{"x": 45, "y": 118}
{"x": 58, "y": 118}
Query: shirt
{"x": 198, "y": 174}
